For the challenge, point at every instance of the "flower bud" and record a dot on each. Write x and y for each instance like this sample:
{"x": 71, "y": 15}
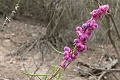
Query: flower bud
{"x": 79, "y": 29}
{"x": 66, "y": 57}
{"x": 84, "y": 26}
{"x": 63, "y": 64}
{"x": 67, "y": 49}
{"x": 69, "y": 60}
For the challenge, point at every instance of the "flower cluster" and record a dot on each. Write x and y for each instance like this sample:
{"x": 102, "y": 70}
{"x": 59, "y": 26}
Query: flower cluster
{"x": 69, "y": 56}
{"x": 97, "y": 14}
{"x": 83, "y": 34}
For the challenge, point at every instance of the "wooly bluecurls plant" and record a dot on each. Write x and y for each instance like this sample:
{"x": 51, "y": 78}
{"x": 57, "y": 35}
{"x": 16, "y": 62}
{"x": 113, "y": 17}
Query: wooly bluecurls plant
{"x": 83, "y": 34}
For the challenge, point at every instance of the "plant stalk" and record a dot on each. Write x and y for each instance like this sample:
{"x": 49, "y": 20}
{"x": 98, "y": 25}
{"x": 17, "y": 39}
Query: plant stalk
{"x": 53, "y": 75}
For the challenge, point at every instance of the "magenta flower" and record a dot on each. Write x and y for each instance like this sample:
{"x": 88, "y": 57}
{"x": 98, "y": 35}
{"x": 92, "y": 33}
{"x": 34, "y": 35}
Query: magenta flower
{"x": 103, "y": 8}
{"x": 67, "y": 49}
{"x": 83, "y": 34}
{"x": 89, "y": 32}
{"x": 79, "y": 33}
{"x": 83, "y": 37}
{"x": 79, "y": 29}
{"x": 63, "y": 64}
{"x": 97, "y": 14}
{"x": 92, "y": 25}
{"x": 74, "y": 55}
{"x": 66, "y": 53}
{"x": 84, "y": 26}
{"x": 80, "y": 47}
{"x": 79, "y": 41}
{"x": 66, "y": 57}
{"x": 69, "y": 60}
{"x": 76, "y": 41}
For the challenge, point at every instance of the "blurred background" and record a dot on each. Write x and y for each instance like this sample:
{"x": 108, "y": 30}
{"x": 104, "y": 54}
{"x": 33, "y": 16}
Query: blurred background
{"x": 25, "y": 42}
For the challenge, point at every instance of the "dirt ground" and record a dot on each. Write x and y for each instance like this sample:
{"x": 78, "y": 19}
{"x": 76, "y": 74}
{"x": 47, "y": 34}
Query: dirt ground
{"x": 11, "y": 67}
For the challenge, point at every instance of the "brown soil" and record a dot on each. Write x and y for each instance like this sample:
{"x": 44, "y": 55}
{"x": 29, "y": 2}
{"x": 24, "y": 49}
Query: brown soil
{"x": 11, "y": 67}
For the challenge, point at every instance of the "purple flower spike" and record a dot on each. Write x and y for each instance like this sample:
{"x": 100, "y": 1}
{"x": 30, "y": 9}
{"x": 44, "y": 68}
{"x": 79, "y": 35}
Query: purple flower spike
{"x": 83, "y": 33}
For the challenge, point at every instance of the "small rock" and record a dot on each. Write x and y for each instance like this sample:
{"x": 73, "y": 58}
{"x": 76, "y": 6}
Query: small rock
{"x": 89, "y": 58}
{"x": 12, "y": 61}
{"x": 22, "y": 69}
{"x": 7, "y": 36}
{"x": 34, "y": 35}
{"x": 8, "y": 79}
{"x": 74, "y": 69}
{"x": 13, "y": 34}
{"x": 92, "y": 78}
{"x": 7, "y": 42}
{"x": 77, "y": 78}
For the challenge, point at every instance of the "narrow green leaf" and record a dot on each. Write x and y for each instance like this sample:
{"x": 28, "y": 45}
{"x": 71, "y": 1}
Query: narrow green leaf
{"x": 56, "y": 50}
{"x": 59, "y": 74}
{"x": 53, "y": 69}
{"x": 34, "y": 74}
{"x": 45, "y": 78}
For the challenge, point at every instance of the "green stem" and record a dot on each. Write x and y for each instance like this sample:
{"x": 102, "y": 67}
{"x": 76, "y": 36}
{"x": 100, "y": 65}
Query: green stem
{"x": 53, "y": 75}
{"x": 56, "y": 50}
{"x": 35, "y": 74}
